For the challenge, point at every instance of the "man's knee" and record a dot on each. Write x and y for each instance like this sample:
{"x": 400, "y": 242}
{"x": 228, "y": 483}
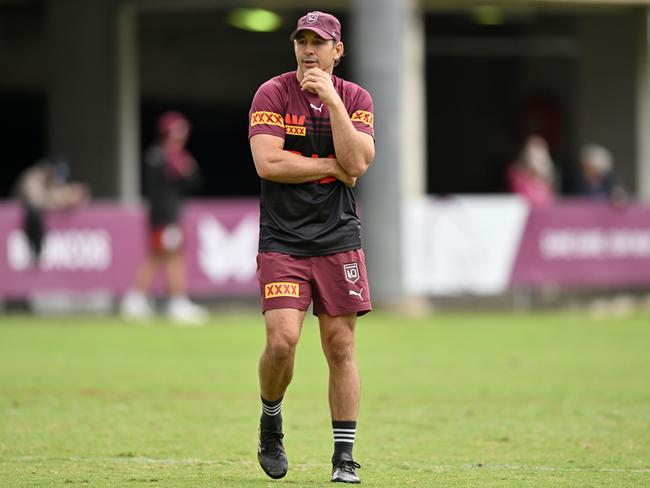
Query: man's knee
{"x": 281, "y": 346}
{"x": 339, "y": 349}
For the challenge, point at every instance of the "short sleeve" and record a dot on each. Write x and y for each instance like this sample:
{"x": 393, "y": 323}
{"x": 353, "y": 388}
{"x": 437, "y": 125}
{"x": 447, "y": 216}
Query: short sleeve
{"x": 266, "y": 113}
{"x": 363, "y": 113}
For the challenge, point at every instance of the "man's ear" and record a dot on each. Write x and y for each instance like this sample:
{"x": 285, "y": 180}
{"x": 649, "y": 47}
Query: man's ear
{"x": 340, "y": 49}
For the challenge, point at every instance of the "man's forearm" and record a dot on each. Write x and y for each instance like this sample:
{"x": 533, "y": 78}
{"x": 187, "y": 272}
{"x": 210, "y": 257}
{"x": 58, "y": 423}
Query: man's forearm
{"x": 349, "y": 146}
{"x": 287, "y": 167}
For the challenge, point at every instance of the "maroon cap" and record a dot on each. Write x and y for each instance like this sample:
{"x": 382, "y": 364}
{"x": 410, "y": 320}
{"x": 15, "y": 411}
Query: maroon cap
{"x": 325, "y": 25}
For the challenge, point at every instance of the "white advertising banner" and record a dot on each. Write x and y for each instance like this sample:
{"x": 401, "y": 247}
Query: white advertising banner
{"x": 461, "y": 244}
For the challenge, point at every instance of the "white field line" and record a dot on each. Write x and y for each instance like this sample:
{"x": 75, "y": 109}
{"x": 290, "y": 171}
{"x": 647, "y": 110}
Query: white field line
{"x": 519, "y": 467}
{"x": 147, "y": 460}
{"x": 123, "y": 459}
{"x": 380, "y": 466}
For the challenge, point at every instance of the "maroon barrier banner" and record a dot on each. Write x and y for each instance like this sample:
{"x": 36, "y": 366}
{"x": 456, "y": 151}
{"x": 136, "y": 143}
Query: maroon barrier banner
{"x": 99, "y": 247}
{"x": 222, "y": 239}
{"x": 578, "y": 243}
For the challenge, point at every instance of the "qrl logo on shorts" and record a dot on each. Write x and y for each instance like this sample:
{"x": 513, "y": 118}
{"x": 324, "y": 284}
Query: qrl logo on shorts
{"x": 351, "y": 271}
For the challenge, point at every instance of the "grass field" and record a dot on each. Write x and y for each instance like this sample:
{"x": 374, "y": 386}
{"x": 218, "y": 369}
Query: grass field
{"x": 448, "y": 400}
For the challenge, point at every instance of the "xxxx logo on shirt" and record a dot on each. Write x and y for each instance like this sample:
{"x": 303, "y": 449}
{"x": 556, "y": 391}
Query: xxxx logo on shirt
{"x": 281, "y": 289}
{"x": 294, "y": 125}
{"x": 364, "y": 117}
{"x": 266, "y": 118}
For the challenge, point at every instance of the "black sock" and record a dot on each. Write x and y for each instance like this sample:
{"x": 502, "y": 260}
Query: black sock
{"x": 344, "y": 433}
{"x": 271, "y": 418}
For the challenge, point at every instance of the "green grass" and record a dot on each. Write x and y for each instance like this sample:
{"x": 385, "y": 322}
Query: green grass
{"x": 447, "y": 400}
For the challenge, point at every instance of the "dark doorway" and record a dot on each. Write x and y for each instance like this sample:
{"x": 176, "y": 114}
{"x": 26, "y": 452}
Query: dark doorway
{"x": 195, "y": 62}
{"x": 23, "y": 135}
{"x": 488, "y": 87}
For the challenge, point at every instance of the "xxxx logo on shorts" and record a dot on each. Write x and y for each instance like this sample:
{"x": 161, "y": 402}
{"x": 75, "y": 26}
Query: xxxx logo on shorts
{"x": 281, "y": 289}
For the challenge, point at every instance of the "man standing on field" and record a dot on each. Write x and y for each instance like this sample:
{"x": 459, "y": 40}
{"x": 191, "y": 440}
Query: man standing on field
{"x": 311, "y": 136}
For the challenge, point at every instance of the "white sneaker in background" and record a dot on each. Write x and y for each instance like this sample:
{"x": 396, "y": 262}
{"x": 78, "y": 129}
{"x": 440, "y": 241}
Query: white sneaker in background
{"x": 183, "y": 311}
{"x": 135, "y": 305}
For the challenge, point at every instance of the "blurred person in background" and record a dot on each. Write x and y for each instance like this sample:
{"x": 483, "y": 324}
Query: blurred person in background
{"x": 596, "y": 179}
{"x": 532, "y": 174}
{"x": 170, "y": 173}
{"x": 311, "y": 136}
{"x": 44, "y": 187}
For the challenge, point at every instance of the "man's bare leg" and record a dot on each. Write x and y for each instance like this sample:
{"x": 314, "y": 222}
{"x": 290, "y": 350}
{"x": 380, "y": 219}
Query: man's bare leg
{"x": 276, "y": 362}
{"x": 337, "y": 339}
{"x": 175, "y": 269}
{"x": 146, "y": 273}
{"x": 275, "y": 371}
{"x": 135, "y": 304}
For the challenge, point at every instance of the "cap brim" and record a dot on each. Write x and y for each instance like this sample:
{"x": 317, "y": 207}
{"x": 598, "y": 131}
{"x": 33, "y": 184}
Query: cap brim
{"x": 322, "y": 33}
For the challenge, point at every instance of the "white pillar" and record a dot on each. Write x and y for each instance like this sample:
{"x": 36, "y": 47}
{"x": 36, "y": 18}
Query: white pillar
{"x": 608, "y": 90}
{"x": 128, "y": 129}
{"x": 643, "y": 109}
{"x": 387, "y": 50}
{"x": 414, "y": 104}
{"x": 93, "y": 93}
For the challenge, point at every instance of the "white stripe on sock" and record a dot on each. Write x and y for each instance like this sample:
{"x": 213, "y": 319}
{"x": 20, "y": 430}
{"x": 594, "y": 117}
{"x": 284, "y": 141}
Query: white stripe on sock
{"x": 272, "y": 411}
{"x": 344, "y": 435}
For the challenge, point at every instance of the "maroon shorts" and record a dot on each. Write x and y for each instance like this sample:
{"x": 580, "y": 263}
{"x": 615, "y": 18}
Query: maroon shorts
{"x": 166, "y": 238}
{"x": 337, "y": 284}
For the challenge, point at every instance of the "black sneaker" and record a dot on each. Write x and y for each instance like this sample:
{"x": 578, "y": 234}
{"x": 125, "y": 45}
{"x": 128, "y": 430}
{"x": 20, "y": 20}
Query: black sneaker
{"x": 345, "y": 470}
{"x": 271, "y": 454}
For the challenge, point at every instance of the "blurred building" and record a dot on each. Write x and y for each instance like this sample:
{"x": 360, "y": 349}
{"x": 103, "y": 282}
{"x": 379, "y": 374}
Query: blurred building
{"x": 457, "y": 84}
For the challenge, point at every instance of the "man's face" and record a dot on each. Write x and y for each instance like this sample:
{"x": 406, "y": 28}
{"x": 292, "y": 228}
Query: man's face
{"x": 179, "y": 131}
{"x": 312, "y": 51}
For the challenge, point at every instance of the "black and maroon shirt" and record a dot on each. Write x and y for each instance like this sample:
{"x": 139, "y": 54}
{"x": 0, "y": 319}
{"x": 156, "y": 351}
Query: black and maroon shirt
{"x": 317, "y": 218}
{"x": 169, "y": 175}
